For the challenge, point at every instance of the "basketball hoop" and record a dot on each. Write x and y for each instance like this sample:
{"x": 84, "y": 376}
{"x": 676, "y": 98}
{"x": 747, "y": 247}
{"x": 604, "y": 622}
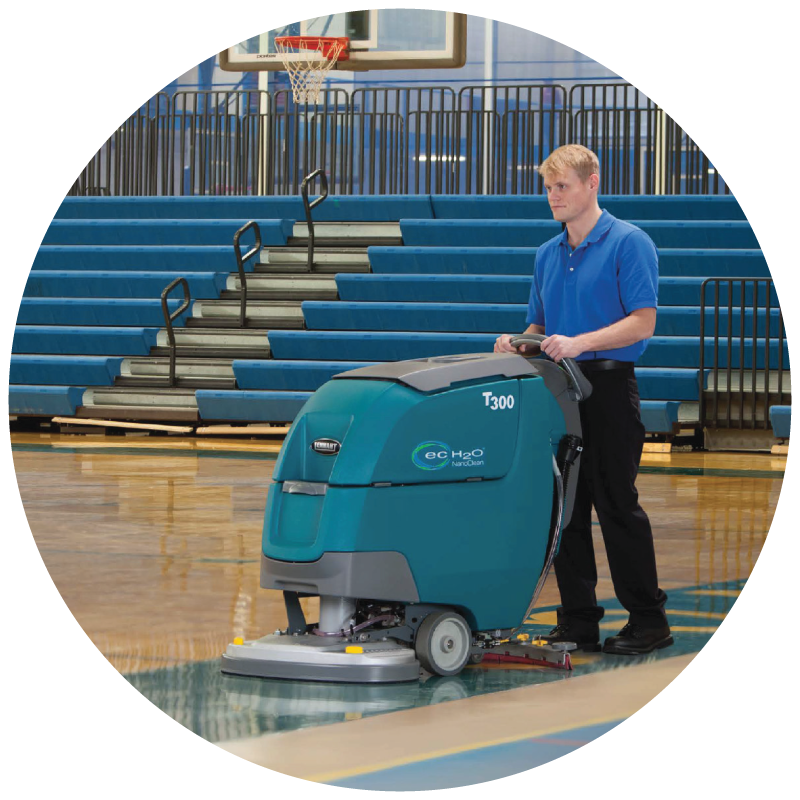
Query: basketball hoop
{"x": 317, "y": 54}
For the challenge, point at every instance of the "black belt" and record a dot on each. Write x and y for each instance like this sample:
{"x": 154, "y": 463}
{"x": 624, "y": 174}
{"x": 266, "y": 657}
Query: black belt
{"x": 599, "y": 364}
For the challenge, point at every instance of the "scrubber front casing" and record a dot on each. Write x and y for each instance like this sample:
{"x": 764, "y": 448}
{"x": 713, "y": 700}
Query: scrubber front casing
{"x": 442, "y": 496}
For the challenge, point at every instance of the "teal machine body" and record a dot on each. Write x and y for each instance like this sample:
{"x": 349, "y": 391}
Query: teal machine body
{"x": 409, "y": 487}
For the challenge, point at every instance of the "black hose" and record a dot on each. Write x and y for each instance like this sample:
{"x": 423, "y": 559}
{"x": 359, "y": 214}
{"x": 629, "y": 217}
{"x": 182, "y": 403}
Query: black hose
{"x": 569, "y": 449}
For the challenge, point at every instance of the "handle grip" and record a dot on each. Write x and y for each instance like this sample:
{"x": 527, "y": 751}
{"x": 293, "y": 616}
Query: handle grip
{"x": 580, "y": 384}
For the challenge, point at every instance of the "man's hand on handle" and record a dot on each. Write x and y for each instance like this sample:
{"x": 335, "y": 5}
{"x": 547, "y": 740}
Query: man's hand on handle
{"x": 503, "y": 344}
{"x": 557, "y": 347}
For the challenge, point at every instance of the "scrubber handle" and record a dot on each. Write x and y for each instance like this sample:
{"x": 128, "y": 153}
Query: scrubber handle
{"x": 580, "y": 384}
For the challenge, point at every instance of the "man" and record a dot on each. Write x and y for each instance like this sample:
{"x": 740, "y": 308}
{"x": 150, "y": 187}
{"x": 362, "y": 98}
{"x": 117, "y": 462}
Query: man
{"x": 594, "y": 297}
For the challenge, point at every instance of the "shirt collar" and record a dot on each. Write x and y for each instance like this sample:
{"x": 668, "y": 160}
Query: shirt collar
{"x": 601, "y": 228}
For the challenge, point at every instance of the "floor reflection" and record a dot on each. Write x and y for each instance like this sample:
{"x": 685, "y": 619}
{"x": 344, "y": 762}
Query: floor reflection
{"x": 156, "y": 553}
{"x": 222, "y": 707}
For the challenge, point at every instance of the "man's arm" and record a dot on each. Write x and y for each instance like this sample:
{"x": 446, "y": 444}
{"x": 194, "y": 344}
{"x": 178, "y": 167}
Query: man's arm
{"x": 639, "y": 324}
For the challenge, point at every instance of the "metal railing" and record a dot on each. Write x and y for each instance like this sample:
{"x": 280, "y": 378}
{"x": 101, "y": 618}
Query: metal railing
{"x": 168, "y": 319}
{"x": 399, "y": 140}
{"x": 309, "y": 205}
{"x": 744, "y": 378}
{"x": 241, "y": 260}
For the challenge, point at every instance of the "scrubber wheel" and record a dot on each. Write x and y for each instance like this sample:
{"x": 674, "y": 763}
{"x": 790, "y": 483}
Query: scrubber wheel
{"x": 443, "y": 643}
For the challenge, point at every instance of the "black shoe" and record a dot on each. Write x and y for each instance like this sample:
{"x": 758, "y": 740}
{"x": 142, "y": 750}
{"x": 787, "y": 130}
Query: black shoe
{"x": 634, "y": 640}
{"x": 587, "y": 638}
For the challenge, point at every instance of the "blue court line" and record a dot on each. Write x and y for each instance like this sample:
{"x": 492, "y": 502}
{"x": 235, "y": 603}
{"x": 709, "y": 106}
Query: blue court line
{"x": 477, "y": 766}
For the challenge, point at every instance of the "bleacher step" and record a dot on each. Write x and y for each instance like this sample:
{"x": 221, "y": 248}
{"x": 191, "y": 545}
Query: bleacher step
{"x": 260, "y": 313}
{"x": 689, "y": 413}
{"x": 198, "y": 373}
{"x": 130, "y": 396}
{"x": 199, "y": 342}
{"x": 322, "y": 255}
{"x": 744, "y": 382}
{"x": 737, "y": 412}
{"x": 343, "y": 234}
{"x": 285, "y": 287}
{"x": 153, "y": 403}
{"x": 191, "y": 382}
{"x": 139, "y": 413}
{"x": 327, "y": 261}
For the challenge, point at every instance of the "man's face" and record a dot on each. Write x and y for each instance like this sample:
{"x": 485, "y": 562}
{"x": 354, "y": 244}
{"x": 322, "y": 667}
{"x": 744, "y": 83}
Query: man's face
{"x": 568, "y": 195}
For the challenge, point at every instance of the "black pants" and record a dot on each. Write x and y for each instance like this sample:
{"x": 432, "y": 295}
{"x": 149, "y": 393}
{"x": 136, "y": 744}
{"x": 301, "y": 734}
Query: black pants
{"x": 613, "y": 435}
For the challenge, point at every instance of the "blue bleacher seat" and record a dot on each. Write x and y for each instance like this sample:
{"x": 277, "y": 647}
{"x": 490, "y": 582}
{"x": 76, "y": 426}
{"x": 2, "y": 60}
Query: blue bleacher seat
{"x": 501, "y": 317}
{"x": 660, "y": 416}
{"x": 458, "y": 288}
{"x": 289, "y": 376}
{"x": 686, "y": 291}
{"x": 532, "y": 233}
{"x": 461, "y": 317}
{"x": 780, "y": 418}
{"x": 477, "y": 233}
{"x": 64, "y": 370}
{"x": 118, "y": 284}
{"x": 249, "y": 406}
{"x": 440, "y": 260}
{"x": 685, "y": 321}
{"x": 434, "y": 288}
{"x": 55, "y": 339}
{"x": 698, "y": 207}
{"x": 46, "y": 401}
{"x": 389, "y": 208}
{"x": 372, "y": 346}
{"x": 482, "y": 260}
{"x": 96, "y": 311}
{"x": 217, "y": 258}
{"x": 381, "y": 208}
{"x": 720, "y": 262}
{"x": 161, "y": 232}
{"x": 684, "y": 351}
{"x": 659, "y": 383}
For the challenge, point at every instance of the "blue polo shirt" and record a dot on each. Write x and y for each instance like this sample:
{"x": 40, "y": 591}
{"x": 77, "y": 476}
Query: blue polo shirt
{"x": 614, "y": 271}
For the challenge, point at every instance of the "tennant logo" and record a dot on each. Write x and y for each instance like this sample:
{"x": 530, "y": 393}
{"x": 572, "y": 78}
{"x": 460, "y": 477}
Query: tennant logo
{"x": 326, "y": 447}
{"x": 437, "y": 455}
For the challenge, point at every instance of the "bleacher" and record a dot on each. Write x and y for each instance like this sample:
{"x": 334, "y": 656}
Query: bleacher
{"x": 90, "y": 338}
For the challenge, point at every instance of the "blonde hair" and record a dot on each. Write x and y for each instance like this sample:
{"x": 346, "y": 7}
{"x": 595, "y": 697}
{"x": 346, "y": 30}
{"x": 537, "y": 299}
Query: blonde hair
{"x": 570, "y": 156}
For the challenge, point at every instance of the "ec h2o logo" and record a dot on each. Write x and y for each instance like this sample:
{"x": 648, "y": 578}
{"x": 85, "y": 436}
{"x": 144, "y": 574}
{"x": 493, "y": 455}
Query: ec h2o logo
{"x": 437, "y": 455}
{"x": 431, "y": 455}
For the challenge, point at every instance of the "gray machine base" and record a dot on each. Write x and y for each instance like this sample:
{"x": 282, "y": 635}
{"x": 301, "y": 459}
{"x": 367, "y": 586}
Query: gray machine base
{"x": 313, "y": 658}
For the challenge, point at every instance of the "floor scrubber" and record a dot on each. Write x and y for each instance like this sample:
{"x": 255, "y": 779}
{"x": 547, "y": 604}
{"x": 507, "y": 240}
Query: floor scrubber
{"x": 423, "y": 502}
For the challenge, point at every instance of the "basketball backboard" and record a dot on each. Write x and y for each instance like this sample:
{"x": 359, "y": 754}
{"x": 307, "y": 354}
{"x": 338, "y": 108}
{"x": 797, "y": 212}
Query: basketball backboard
{"x": 396, "y": 38}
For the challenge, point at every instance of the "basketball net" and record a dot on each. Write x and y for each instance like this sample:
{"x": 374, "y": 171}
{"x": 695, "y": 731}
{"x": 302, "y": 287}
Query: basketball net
{"x": 319, "y": 54}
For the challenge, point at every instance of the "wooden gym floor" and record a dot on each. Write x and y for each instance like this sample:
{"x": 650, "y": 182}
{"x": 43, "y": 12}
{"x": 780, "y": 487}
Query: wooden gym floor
{"x": 153, "y": 542}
